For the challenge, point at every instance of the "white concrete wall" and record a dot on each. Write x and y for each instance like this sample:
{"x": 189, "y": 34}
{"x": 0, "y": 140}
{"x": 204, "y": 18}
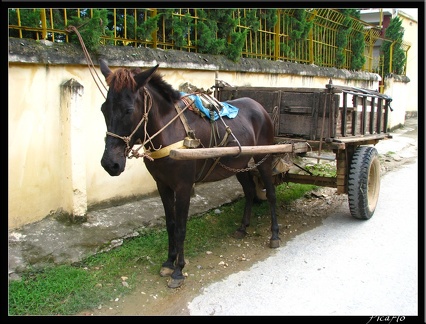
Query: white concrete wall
{"x": 411, "y": 37}
{"x": 400, "y": 93}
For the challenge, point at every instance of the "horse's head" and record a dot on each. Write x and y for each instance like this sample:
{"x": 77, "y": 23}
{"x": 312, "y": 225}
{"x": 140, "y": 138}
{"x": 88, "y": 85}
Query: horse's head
{"x": 122, "y": 110}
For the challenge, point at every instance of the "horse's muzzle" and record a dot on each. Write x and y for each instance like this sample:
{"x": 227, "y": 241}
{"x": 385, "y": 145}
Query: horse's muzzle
{"x": 114, "y": 167}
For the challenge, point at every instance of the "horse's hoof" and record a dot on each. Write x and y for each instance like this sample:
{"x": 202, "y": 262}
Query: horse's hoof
{"x": 274, "y": 243}
{"x": 165, "y": 272}
{"x": 175, "y": 283}
{"x": 239, "y": 234}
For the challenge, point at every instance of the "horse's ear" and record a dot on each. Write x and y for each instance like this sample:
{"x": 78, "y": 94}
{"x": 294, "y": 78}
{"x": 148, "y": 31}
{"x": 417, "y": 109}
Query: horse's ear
{"x": 143, "y": 77}
{"x": 104, "y": 68}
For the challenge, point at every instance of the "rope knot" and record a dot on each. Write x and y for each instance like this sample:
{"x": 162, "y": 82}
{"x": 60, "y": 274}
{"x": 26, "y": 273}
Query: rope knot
{"x": 136, "y": 154}
{"x": 126, "y": 139}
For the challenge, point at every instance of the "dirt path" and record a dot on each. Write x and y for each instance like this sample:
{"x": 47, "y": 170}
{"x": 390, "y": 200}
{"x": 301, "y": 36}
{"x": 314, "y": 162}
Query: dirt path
{"x": 153, "y": 297}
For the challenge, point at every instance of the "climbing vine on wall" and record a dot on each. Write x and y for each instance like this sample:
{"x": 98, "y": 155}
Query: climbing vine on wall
{"x": 217, "y": 35}
{"x": 207, "y": 41}
{"x": 270, "y": 16}
{"x": 250, "y": 20}
{"x": 357, "y": 46}
{"x": 394, "y": 32}
{"x": 342, "y": 38}
{"x": 91, "y": 29}
{"x": 316, "y": 36}
{"x": 182, "y": 27}
{"x": 299, "y": 29}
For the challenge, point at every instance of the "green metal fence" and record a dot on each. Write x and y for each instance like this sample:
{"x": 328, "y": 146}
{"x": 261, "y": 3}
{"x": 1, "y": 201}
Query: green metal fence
{"x": 269, "y": 32}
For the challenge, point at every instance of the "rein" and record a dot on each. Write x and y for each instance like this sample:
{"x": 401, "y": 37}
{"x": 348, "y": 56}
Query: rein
{"x": 88, "y": 59}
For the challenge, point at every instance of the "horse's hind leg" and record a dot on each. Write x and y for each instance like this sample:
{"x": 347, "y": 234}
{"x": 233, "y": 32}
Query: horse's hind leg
{"x": 247, "y": 183}
{"x": 265, "y": 170}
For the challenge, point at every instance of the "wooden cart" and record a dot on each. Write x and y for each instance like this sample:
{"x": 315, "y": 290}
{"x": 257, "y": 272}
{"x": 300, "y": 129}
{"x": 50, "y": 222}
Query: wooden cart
{"x": 343, "y": 120}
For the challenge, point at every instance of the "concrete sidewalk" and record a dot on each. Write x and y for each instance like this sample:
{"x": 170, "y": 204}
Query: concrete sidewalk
{"x": 51, "y": 241}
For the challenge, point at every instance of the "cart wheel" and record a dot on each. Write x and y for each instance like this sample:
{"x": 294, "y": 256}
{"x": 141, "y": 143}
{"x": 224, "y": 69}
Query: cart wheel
{"x": 364, "y": 182}
{"x": 260, "y": 190}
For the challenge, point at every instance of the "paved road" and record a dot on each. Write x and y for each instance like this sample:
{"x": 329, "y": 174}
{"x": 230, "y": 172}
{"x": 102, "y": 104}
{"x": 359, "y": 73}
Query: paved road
{"x": 345, "y": 267}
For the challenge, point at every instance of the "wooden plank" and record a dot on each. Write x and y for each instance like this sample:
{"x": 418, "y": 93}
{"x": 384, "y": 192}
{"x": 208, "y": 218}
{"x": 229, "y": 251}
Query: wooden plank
{"x": 372, "y": 114}
{"x": 313, "y": 144}
{"x": 335, "y": 102}
{"x": 386, "y": 117}
{"x": 293, "y": 101}
{"x": 321, "y": 157}
{"x": 343, "y": 124}
{"x": 354, "y": 116}
{"x": 360, "y": 140}
{"x": 300, "y": 147}
{"x": 341, "y": 172}
{"x": 294, "y": 124}
{"x": 364, "y": 116}
{"x": 206, "y": 153}
{"x": 379, "y": 117}
{"x": 268, "y": 100}
{"x": 271, "y": 89}
{"x": 314, "y": 180}
{"x": 314, "y": 120}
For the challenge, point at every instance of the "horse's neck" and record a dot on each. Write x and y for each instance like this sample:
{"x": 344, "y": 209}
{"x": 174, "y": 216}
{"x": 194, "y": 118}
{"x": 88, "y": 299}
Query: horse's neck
{"x": 164, "y": 127}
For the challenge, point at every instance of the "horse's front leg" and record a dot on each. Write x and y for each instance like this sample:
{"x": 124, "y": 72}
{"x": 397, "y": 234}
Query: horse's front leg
{"x": 168, "y": 199}
{"x": 183, "y": 196}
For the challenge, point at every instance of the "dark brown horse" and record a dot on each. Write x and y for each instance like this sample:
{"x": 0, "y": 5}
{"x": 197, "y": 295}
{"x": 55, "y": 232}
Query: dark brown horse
{"x": 142, "y": 108}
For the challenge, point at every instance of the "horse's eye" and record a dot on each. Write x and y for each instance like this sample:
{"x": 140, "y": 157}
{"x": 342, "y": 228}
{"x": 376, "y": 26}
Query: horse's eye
{"x": 129, "y": 111}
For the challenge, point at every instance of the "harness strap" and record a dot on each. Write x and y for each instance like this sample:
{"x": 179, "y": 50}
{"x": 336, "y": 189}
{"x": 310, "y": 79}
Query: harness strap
{"x": 188, "y": 129}
{"x": 209, "y": 171}
{"x": 165, "y": 151}
{"x": 190, "y": 140}
{"x": 215, "y": 105}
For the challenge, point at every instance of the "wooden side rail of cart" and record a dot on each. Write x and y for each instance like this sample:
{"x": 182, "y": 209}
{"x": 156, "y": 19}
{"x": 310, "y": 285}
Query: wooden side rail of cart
{"x": 347, "y": 121}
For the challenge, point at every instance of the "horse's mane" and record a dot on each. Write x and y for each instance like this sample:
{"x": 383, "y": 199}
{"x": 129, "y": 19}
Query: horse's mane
{"x": 123, "y": 78}
{"x": 164, "y": 88}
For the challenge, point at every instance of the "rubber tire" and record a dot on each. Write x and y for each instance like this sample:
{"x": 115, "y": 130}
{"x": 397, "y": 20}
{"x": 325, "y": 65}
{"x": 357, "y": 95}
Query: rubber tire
{"x": 364, "y": 182}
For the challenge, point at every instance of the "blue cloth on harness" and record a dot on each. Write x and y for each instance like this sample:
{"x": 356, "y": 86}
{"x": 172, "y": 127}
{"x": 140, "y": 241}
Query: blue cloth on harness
{"x": 227, "y": 110}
